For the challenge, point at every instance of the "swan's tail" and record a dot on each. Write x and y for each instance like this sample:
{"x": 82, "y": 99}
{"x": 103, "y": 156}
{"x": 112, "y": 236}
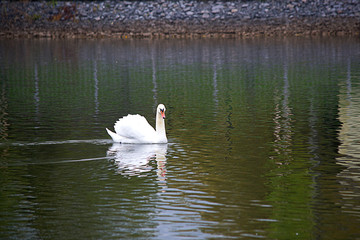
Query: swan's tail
{"x": 114, "y": 136}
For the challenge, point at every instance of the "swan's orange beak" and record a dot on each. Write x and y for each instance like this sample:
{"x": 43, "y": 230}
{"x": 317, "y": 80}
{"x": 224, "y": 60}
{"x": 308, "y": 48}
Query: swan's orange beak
{"x": 162, "y": 114}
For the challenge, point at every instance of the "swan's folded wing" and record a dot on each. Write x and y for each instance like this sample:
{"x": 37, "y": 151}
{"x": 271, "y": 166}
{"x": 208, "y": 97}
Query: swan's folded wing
{"x": 134, "y": 127}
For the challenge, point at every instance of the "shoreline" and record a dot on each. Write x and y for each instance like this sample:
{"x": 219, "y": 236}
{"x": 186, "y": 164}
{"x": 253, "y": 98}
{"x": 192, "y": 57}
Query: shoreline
{"x": 180, "y": 19}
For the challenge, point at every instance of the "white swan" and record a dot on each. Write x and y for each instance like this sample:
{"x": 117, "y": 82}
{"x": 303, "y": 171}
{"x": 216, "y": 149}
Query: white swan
{"x": 136, "y": 129}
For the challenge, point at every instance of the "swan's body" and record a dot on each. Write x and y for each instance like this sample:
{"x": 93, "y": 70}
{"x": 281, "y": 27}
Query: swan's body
{"x": 136, "y": 129}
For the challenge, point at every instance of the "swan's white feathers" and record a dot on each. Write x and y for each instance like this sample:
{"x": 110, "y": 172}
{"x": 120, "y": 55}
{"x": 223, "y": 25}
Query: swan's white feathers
{"x": 124, "y": 127}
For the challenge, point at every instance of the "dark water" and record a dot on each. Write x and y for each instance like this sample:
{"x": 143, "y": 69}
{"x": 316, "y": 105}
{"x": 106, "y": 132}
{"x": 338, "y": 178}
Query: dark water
{"x": 263, "y": 139}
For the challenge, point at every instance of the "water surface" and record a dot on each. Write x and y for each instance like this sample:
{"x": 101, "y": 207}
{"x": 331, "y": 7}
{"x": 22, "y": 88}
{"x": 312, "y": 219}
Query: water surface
{"x": 263, "y": 139}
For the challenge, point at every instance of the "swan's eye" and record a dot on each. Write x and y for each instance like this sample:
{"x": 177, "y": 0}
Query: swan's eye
{"x": 161, "y": 110}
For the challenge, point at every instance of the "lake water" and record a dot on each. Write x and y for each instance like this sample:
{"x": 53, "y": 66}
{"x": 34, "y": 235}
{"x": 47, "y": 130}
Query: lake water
{"x": 263, "y": 139}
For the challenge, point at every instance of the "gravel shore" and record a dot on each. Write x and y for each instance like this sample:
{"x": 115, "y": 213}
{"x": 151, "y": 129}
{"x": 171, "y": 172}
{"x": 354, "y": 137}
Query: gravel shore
{"x": 179, "y": 19}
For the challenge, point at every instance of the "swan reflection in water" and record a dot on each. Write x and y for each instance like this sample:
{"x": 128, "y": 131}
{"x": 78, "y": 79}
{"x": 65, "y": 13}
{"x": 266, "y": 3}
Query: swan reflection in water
{"x": 135, "y": 159}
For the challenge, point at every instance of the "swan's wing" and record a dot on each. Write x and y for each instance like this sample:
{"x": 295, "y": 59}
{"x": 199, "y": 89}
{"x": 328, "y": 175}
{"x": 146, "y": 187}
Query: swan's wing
{"x": 134, "y": 127}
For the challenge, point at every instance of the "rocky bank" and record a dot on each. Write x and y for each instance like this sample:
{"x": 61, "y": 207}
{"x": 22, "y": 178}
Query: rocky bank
{"x": 178, "y": 19}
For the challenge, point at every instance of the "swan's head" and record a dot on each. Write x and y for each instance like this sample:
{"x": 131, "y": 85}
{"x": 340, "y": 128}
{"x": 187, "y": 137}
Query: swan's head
{"x": 161, "y": 110}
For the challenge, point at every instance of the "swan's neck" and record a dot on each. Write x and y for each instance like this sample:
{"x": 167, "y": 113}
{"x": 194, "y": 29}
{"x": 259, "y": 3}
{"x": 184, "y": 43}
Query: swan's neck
{"x": 160, "y": 126}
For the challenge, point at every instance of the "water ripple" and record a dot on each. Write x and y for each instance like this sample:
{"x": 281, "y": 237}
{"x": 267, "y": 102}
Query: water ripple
{"x": 90, "y": 141}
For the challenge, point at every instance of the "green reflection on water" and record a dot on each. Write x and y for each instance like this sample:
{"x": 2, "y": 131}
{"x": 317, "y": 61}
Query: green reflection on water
{"x": 253, "y": 128}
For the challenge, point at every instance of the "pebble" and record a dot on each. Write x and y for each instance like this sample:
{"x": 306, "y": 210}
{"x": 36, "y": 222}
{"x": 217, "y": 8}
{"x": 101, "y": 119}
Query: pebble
{"x": 132, "y": 14}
